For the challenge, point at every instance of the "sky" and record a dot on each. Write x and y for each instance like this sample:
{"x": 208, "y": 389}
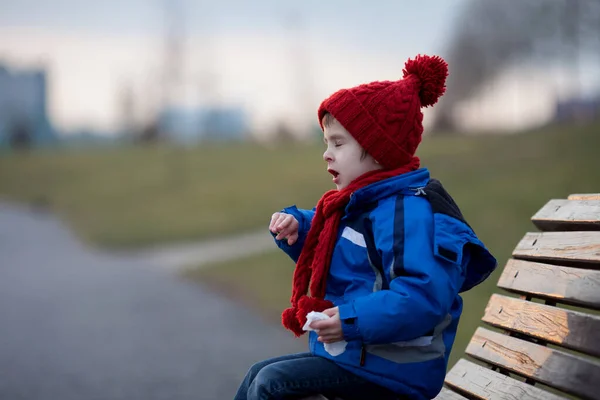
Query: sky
{"x": 276, "y": 58}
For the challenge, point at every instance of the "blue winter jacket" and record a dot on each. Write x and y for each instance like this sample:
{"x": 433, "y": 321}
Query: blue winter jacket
{"x": 403, "y": 254}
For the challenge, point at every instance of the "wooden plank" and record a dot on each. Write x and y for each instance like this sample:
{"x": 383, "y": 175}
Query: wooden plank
{"x": 566, "y": 372}
{"x": 568, "y": 215}
{"x": 447, "y": 394}
{"x": 568, "y": 248}
{"x": 570, "y": 329}
{"x": 483, "y": 383}
{"x": 567, "y": 285}
{"x": 589, "y": 196}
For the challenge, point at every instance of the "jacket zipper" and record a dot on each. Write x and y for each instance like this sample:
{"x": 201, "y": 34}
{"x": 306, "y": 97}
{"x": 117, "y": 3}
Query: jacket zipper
{"x": 363, "y": 354}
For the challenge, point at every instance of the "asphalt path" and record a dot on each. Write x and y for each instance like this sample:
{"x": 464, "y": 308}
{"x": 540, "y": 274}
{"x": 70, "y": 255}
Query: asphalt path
{"x": 78, "y": 323}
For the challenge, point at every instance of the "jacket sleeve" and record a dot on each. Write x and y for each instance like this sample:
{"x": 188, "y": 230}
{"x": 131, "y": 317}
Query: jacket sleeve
{"x": 422, "y": 285}
{"x": 304, "y": 218}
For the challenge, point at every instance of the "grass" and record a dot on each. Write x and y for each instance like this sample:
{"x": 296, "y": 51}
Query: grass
{"x": 499, "y": 182}
{"x": 133, "y": 197}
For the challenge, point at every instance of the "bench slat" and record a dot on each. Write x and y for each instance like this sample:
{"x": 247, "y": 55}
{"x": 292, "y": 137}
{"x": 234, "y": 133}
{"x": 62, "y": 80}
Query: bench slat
{"x": 568, "y": 215}
{"x": 563, "y": 284}
{"x": 447, "y": 394}
{"x": 586, "y": 196}
{"x": 571, "y": 329}
{"x": 568, "y": 248}
{"x": 554, "y": 368}
{"x": 483, "y": 383}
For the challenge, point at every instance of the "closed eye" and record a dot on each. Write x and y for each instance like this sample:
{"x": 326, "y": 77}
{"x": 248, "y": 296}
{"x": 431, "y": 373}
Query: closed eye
{"x": 335, "y": 140}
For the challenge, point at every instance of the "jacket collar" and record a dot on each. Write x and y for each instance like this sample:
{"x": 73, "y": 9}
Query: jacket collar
{"x": 388, "y": 187}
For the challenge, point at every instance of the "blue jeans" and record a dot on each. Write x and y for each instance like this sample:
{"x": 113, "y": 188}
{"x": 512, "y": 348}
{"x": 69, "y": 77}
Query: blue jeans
{"x": 298, "y": 375}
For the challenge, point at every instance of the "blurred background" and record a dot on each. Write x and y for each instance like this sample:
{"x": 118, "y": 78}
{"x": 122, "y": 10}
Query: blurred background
{"x": 144, "y": 146}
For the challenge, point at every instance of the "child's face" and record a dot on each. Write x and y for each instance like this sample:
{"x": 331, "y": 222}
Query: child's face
{"x": 344, "y": 156}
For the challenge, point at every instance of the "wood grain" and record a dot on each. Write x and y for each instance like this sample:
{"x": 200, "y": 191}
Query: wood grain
{"x": 568, "y": 215}
{"x": 447, "y": 394}
{"x": 568, "y": 248}
{"x": 570, "y": 329}
{"x": 563, "y": 371}
{"x": 483, "y": 383}
{"x": 588, "y": 196}
{"x": 575, "y": 286}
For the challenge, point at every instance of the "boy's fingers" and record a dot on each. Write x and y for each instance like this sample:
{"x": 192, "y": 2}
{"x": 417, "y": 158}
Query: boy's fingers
{"x": 289, "y": 224}
{"x": 292, "y": 238}
{"x": 274, "y": 218}
{"x": 286, "y": 226}
{"x": 285, "y": 222}
{"x": 280, "y": 223}
{"x": 329, "y": 339}
{"x": 275, "y": 224}
{"x": 321, "y": 324}
{"x": 287, "y": 232}
{"x": 316, "y": 325}
{"x": 280, "y": 235}
{"x": 281, "y": 231}
{"x": 331, "y": 311}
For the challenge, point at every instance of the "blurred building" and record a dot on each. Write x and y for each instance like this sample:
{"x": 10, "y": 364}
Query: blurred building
{"x": 578, "y": 110}
{"x": 191, "y": 125}
{"x": 24, "y": 118}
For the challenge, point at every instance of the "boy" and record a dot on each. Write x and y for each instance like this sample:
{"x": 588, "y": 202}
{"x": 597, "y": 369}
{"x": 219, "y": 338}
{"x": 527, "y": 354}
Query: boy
{"x": 384, "y": 255}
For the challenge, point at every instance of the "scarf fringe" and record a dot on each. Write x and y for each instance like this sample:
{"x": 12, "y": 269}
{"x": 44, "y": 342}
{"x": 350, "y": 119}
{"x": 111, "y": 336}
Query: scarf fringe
{"x": 294, "y": 318}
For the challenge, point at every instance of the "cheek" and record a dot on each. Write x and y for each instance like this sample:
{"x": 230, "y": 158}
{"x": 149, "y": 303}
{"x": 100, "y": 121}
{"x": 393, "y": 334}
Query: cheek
{"x": 372, "y": 164}
{"x": 366, "y": 165}
{"x": 357, "y": 168}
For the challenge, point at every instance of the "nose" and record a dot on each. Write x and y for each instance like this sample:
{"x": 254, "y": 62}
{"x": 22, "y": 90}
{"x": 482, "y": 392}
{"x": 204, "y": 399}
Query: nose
{"x": 327, "y": 156}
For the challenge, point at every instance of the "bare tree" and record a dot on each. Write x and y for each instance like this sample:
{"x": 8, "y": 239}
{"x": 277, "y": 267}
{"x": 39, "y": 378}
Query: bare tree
{"x": 491, "y": 35}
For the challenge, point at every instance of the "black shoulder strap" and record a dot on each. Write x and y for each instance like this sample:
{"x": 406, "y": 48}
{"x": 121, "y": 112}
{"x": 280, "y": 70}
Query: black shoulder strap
{"x": 441, "y": 202}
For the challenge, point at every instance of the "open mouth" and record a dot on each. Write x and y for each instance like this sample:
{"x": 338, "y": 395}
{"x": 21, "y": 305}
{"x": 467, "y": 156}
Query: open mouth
{"x": 335, "y": 174}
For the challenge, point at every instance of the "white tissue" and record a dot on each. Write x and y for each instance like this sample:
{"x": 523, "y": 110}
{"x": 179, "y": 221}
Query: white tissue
{"x": 336, "y": 348}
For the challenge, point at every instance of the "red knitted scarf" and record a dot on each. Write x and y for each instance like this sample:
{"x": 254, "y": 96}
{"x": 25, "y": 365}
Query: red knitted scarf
{"x": 313, "y": 263}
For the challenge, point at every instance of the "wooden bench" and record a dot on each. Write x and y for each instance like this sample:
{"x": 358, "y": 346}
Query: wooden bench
{"x": 544, "y": 344}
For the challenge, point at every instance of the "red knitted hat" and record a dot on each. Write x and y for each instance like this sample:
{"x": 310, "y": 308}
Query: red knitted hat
{"x": 385, "y": 117}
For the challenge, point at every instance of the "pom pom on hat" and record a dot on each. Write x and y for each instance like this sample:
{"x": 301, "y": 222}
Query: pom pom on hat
{"x": 431, "y": 72}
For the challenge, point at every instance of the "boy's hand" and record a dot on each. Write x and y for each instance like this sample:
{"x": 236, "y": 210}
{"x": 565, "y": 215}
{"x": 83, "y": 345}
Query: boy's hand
{"x": 329, "y": 330}
{"x": 285, "y": 226}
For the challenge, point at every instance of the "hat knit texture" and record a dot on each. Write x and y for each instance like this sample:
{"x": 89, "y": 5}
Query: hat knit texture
{"x": 385, "y": 119}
